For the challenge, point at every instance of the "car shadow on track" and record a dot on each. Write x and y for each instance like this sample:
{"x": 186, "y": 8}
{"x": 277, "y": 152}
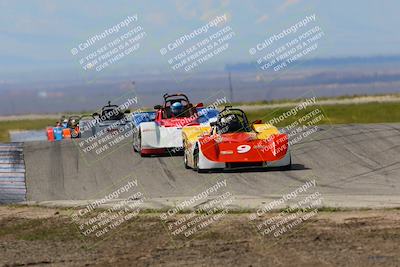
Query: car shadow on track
{"x": 294, "y": 167}
{"x": 166, "y": 155}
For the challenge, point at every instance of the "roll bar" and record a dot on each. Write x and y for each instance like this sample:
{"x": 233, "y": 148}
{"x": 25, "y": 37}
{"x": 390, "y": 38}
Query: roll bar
{"x": 166, "y": 96}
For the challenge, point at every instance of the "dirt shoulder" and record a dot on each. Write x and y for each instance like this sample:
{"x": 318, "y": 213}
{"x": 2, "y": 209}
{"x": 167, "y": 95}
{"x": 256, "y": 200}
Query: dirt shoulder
{"x": 48, "y": 237}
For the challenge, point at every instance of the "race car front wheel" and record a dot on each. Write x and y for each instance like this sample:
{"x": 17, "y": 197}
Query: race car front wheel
{"x": 185, "y": 161}
{"x": 134, "y": 143}
{"x": 196, "y": 160}
{"x": 137, "y": 140}
{"x": 140, "y": 146}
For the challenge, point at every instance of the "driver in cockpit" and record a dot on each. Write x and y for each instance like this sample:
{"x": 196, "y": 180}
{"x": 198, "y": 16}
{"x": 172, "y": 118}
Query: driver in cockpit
{"x": 177, "y": 109}
{"x": 230, "y": 124}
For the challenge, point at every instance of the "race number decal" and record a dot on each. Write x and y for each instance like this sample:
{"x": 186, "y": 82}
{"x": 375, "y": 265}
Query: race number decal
{"x": 243, "y": 149}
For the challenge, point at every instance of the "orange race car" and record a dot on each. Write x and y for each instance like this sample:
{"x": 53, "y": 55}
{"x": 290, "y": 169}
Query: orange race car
{"x": 232, "y": 142}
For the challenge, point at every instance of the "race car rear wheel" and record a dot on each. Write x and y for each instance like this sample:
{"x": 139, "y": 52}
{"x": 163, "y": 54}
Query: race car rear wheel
{"x": 287, "y": 167}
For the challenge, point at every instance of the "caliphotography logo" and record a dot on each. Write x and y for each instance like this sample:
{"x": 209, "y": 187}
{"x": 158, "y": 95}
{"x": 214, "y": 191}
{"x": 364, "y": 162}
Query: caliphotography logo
{"x": 108, "y": 129}
{"x": 197, "y": 214}
{"x": 105, "y": 215}
{"x": 297, "y": 206}
{"x": 111, "y": 45}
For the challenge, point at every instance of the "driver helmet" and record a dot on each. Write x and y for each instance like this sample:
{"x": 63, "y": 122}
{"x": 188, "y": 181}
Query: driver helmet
{"x": 176, "y": 108}
{"x": 223, "y": 121}
{"x": 231, "y": 119}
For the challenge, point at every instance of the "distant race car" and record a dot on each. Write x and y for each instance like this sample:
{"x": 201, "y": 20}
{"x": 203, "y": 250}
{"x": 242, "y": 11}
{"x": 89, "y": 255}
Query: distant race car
{"x": 160, "y": 131}
{"x": 73, "y": 124}
{"x": 110, "y": 119}
{"x": 232, "y": 142}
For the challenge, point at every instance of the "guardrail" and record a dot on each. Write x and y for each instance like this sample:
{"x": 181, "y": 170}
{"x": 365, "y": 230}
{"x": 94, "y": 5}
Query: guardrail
{"x": 12, "y": 173}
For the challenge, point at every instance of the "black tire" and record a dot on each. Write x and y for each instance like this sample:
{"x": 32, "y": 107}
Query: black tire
{"x": 140, "y": 147}
{"x": 74, "y": 133}
{"x": 201, "y": 170}
{"x": 185, "y": 160}
{"x": 287, "y": 167}
{"x": 134, "y": 144}
{"x": 196, "y": 160}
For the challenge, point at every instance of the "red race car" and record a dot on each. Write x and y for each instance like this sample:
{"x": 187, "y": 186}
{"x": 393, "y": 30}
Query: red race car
{"x": 232, "y": 142}
{"x": 161, "y": 131}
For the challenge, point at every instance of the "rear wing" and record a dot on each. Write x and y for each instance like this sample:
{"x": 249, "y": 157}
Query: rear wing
{"x": 180, "y": 95}
{"x": 138, "y": 118}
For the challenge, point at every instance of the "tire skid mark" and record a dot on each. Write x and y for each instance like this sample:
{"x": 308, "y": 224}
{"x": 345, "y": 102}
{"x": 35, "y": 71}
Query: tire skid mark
{"x": 167, "y": 172}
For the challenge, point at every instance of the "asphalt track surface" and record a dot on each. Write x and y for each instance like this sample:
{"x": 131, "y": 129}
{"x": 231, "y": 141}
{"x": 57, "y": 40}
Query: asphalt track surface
{"x": 353, "y": 165}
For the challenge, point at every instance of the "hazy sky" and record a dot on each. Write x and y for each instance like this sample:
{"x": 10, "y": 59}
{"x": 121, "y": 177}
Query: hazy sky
{"x": 40, "y": 34}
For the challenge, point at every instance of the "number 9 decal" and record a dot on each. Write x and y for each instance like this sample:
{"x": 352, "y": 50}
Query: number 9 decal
{"x": 243, "y": 149}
